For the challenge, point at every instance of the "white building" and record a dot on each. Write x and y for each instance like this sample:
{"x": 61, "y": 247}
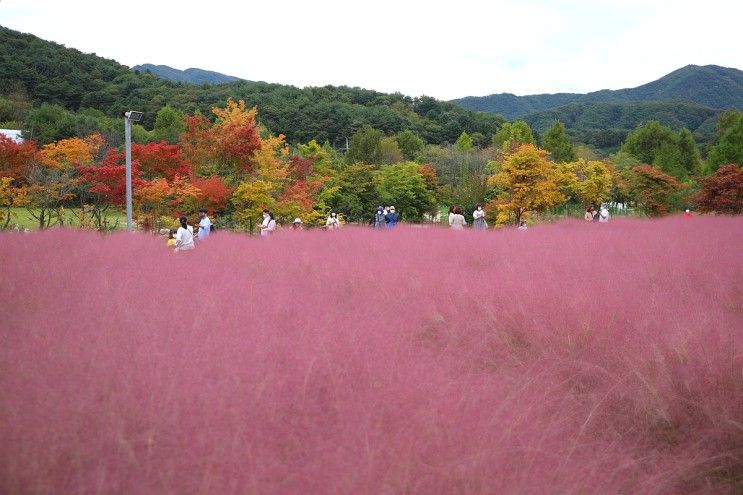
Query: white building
{"x": 13, "y": 134}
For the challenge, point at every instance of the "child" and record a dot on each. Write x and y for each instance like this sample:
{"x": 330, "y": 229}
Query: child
{"x": 171, "y": 238}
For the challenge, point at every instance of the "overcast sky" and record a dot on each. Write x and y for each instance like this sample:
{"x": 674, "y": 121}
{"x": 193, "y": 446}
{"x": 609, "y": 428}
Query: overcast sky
{"x": 443, "y": 49}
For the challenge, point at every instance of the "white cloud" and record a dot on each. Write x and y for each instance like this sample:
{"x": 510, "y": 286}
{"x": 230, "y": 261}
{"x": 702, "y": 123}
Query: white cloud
{"x": 443, "y": 49}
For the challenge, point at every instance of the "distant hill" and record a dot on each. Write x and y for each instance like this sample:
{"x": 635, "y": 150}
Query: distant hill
{"x": 41, "y": 72}
{"x": 605, "y": 125}
{"x": 710, "y": 86}
{"x": 189, "y": 76}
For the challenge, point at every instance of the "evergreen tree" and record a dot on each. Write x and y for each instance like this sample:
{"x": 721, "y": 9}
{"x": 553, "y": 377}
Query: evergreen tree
{"x": 464, "y": 142}
{"x": 689, "y": 153}
{"x": 556, "y": 141}
{"x": 730, "y": 147}
{"x": 169, "y": 125}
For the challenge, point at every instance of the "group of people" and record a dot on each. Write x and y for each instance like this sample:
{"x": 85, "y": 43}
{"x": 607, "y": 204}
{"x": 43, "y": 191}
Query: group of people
{"x": 458, "y": 222}
{"x": 601, "y": 216}
{"x": 386, "y": 217}
{"x": 182, "y": 239}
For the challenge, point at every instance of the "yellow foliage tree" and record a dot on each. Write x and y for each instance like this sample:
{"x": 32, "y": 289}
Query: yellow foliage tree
{"x": 249, "y": 200}
{"x": 73, "y": 152}
{"x": 588, "y": 182}
{"x": 527, "y": 182}
{"x": 271, "y": 159}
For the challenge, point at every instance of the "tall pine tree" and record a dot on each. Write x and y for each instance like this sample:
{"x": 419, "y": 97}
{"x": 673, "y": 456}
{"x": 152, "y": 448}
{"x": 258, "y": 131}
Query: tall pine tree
{"x": 557, "y": 142}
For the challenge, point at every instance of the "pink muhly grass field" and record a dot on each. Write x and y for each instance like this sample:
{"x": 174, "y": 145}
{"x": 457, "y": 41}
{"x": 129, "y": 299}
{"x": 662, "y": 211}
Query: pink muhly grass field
{"x": 571, "y": 358}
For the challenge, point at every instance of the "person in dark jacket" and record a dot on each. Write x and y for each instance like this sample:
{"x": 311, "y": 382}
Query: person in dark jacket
{"x": 380, "y": 221}
{"x": 392, "y": 218}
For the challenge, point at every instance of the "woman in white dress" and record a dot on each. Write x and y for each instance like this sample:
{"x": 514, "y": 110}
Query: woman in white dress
{"x": 332, "y": 222}
{"x": 457, "y": 221}
{"x": 479, "y": 218}
{"x": 184, "y": 236}
{"x": 268, "y": 226}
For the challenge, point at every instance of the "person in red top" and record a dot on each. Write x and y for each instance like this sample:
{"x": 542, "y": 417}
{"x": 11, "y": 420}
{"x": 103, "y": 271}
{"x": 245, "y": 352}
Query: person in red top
{"x": 687, "y": 214}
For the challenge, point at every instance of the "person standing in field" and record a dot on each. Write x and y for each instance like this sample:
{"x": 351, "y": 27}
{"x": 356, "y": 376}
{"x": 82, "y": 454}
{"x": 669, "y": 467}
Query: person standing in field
{"x": 268, "y": 226}
{"x": 478, "y": 215}
{"x": 392, "y": 218}
{"x": 523, "y": 225}
{"x": 184, "y": 236}
{"x": 588, "y": 217}
{"x": 332, "y": 222}
{"x": 457, "y": 221}
{"x": 297, "y": 225}
{"x": 604, "y": 215}
{"x": 380, "y": 219}
{"x": 205, "y": 225}
{"x": 451, "y": 214}
{"x": 687, "y": 214}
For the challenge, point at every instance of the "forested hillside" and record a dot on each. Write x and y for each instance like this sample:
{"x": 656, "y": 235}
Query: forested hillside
{"x": 34, "y": 71}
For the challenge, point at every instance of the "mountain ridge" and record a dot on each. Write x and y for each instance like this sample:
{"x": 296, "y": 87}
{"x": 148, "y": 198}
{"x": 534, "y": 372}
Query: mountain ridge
{"x": 710, "y": 86}
{"x": 192, "y": 75}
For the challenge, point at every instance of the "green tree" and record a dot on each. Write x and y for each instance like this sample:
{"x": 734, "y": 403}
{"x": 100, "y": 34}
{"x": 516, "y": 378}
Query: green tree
{"x": 410, "y": 143}
{"x": 464, "y": 142}
{"x": 646, "y": 141}
{"x": 513, "y": 135}
{"x": 730, "y": 147}
{"x": 557, "y": 142}
{"x": 365, "y": 146}
{"x": 169, "y": 125}
{"x": 726, "y": 120}
{"x": 390, "y": 151}
{"x": 49, "y": 123}
{"x": 404, "y": 186}
{"x": 689, "y": 158}
{"x": 472, "y": 189}
{"x": 353, "y": 193}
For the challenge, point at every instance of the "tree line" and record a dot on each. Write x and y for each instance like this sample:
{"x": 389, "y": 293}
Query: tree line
{"x": 235, "y": 166}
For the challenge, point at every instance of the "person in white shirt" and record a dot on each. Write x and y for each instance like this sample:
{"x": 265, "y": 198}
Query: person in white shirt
{"x": 479, "y": 218}
{"x": 184, "y": 236}
{"x": 523, "y": 225}
{"x": 457, "y": 221}
{"x": 268, "y": 226}
{"x": 205, "y": 225}
{"x": 451, "y": 214}
{"x": 604, "y": 215}
{"x": 332, "y": 222}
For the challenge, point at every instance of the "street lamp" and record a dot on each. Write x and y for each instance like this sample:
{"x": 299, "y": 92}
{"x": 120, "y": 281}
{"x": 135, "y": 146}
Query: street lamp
{"x": 129, "y": 117}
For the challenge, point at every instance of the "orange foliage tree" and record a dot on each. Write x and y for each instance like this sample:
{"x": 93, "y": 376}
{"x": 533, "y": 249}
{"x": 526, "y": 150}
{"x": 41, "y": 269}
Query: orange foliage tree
{"x": 653, "y": 189}
{"x": 72, "y": 152}
{"x": 527, "y": 182}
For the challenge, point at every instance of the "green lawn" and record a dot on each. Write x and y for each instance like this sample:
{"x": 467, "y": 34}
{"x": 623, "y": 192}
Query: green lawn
{"x": 23, "y": 218}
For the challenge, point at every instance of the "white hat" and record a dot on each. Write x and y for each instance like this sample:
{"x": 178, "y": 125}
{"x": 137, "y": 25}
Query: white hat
{"x": 297, "y": 220}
